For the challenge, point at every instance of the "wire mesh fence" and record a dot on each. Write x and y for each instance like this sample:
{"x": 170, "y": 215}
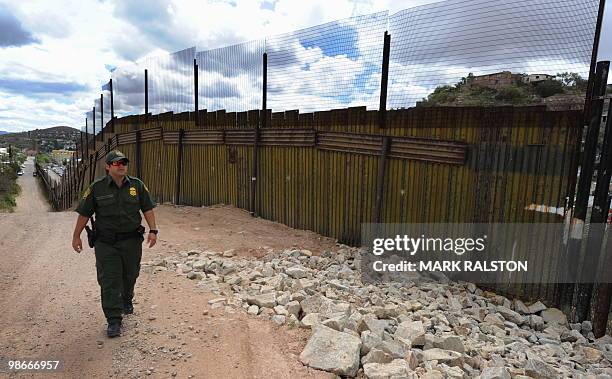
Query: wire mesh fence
{"x": 502, "y": 44}
{"x": 330, "y": 66}
{"x": 170, "y": 81}
{"x": 128, "y": 89}
{"x": 230, "y": 77}
{"x": 454, "y": 52}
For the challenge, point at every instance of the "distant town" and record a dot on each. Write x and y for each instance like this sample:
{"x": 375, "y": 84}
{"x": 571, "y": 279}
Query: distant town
{"x": 52, "y": 147}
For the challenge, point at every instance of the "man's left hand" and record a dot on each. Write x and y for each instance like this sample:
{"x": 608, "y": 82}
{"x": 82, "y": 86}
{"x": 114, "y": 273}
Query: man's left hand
{"x": 152, "y": 239}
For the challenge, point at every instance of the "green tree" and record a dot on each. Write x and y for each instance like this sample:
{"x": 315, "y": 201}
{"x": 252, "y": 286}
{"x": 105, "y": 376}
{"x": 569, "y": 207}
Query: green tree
{"x": 42, "y": 159}
{"x": 548, "y": 88}
{"x": 441, "y": 95}
{"x": 512, "y": 94}
{"x": 572, "y": 79}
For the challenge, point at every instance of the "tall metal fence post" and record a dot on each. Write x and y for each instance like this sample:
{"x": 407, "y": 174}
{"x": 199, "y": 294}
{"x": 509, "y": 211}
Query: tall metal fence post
{"x": 86, "y": 137}
{"x": 179, "y": 167}
{"x": 146, "y": 99}
{"x": 112, "y": 106}
{"x": 93, "y": 117}
{"x": 382, "y": 122}
{"x": 195, "y": 92}
{"x": 572, "y": 254}
{"x": 597, "y": 230}
{"x": 593, "y": 67}
{"x": 263, "y": 120}
{"x": 382, "y": 109}
{"x": 82, "y": 148}
{"x": 602, "y": 200}
{"x": 102, "y": 118}
{"x": 587, "y": 100}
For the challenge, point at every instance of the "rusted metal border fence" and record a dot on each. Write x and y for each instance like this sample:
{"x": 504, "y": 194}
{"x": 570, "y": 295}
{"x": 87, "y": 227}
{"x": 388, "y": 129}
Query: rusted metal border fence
{"x": 321, "y": 171}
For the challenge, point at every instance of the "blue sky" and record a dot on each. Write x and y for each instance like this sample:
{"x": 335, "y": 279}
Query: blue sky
{"x": 55, "y": 54}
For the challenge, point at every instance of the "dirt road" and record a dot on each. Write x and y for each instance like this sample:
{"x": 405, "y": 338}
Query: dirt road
{"x": 49, "y": 300}
{"x": 32, "y": 199}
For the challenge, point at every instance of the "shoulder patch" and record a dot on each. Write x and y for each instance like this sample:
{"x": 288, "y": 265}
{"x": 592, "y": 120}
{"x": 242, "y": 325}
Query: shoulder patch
{"x": 86, "y": 193}
{"x": 139, "y": 181}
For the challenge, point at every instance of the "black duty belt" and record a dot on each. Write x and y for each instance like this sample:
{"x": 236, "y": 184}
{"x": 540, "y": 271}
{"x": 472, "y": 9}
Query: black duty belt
{"x": 110, "y": 237}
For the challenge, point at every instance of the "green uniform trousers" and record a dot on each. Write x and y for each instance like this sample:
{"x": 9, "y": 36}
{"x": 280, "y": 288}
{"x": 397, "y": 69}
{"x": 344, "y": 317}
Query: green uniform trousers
{"x": 117, "y": 266}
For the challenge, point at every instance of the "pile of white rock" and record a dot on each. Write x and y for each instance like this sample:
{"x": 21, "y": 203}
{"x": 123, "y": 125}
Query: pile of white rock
{"x": 420, "y": 329}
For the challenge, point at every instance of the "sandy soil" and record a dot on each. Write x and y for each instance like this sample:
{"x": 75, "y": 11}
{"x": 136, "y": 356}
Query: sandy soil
{"x": 50, "y": 306}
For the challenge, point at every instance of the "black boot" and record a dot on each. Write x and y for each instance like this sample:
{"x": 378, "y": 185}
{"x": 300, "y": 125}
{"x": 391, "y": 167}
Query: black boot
{"x": 114, "y": 329}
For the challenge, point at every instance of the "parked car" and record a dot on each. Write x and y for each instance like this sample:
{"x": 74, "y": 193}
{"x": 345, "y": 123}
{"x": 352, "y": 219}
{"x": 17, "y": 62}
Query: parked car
{"x": 34, "y": 173}
{"x": 20, "y": 172}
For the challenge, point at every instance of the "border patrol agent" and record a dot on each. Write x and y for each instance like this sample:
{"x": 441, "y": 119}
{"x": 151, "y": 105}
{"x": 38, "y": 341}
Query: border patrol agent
{"x": 116, "y": 199}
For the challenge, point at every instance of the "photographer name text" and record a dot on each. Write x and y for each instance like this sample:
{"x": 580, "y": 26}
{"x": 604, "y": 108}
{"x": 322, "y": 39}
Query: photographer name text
{"x": 451, "y": 266}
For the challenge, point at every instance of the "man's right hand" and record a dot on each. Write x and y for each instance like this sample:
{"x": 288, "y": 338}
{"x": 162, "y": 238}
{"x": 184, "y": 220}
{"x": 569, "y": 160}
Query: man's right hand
{"x": 77, "y": 245}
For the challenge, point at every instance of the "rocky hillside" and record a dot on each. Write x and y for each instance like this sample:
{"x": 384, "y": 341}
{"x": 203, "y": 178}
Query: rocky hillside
{"x": 552, "y": 93}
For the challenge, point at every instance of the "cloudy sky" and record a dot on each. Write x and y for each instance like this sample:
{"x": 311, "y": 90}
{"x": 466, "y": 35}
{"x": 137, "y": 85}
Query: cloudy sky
{"x": 56, "y": 54}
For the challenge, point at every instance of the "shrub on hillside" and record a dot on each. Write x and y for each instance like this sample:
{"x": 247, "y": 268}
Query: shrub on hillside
{"x": 513, "y": 95}
{"x": 548, "y": 88}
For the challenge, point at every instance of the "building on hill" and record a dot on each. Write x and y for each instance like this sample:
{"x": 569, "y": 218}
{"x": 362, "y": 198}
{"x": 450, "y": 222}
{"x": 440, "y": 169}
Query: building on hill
{"x": 536, "y": 78}
{"x": 497, "y": 80}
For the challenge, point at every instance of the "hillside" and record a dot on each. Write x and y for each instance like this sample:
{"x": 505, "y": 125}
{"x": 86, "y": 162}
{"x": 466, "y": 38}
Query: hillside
{"x": 55, "y": 129}
{"x": 567, "y": 92}
{"x": 45, "y": 140}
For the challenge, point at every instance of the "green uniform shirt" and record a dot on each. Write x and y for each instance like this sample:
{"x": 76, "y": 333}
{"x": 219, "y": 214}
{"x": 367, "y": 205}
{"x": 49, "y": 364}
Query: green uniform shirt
{"x": 117, "y": 209}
